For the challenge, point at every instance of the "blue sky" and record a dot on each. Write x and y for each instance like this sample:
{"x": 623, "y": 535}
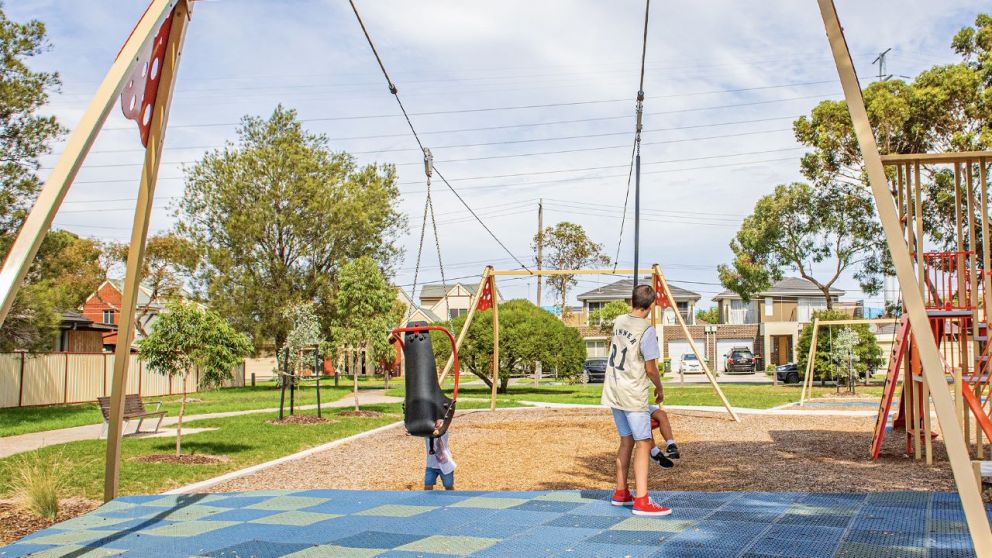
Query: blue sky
{"x": 723, "y": 86}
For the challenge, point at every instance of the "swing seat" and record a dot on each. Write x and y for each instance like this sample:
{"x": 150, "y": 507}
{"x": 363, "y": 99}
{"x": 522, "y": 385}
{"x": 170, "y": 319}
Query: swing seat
{"x": 424, "y": 403}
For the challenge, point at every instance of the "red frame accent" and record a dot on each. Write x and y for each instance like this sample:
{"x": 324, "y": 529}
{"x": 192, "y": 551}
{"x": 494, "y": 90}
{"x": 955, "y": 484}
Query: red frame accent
{"x": 660, "y": 299}
{"x": 420, "y": 329}
{"x": 486, "y": 298}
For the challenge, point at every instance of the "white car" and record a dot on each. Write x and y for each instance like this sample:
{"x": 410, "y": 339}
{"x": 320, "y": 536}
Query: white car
{"x": 690, "y": 364}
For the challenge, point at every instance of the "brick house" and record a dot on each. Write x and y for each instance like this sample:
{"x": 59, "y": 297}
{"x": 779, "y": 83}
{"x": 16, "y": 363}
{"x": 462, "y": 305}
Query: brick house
{"x": 713, "y": 340}
{"x": 103, "y": 307}
{"x": 779, "y": 314}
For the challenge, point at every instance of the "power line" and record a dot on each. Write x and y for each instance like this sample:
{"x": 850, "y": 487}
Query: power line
{"x": 395, "y": 92}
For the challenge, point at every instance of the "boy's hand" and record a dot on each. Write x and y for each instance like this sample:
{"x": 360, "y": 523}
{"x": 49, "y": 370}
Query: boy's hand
{"x": 659, "y": 395}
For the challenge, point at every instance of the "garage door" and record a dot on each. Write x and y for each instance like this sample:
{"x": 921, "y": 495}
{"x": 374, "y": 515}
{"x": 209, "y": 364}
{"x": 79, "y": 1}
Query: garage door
{"x": 723, "y": 347}
{"x": 678, "y": 348}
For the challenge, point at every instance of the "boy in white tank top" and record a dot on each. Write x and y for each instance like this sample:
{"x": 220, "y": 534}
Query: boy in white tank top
{"x": 631, "y": 370}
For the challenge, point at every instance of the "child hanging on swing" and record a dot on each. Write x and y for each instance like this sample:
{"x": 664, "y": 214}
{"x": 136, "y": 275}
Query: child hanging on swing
{"x": 665, "y": 428}
{"x": 440, "y": 462}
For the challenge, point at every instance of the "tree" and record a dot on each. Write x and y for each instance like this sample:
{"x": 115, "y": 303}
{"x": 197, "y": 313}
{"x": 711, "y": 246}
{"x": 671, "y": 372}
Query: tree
{"x": 526, "y": 334}
{"x": 24, "y": 134}
{"x": 605, "y": 316}
{"x": 277, "y": 215}
{"x": 365, "y": 307}
{"x": 65, "y": 271}
{"x": 844, "y": 355}
{"x": 867, "y": 352}
{"x": 187, "y": 337}
{"x": 945, "y": 108}
{"x": 566, "y": 246}
{"x": 170, "y": 263}
{"x": 710, "y": 315}
{"x": 306, "y": 334}
{"x": 799, "y": 228}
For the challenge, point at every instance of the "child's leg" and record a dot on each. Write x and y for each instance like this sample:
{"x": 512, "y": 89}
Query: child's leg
{"x": 430, "y": 478}
{"x": 664, "y": 425}
{"x": 642, "y": 453}
{"x": 623, "y": 461}
{"x": 448, "y": 480}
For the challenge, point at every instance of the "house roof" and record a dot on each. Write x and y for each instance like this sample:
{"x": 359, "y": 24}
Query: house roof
{"x": 788, "y": 286}
{"x": 436, "y": 290}
{"x": 620, "y": 290}
{"x": 75, "y": 320}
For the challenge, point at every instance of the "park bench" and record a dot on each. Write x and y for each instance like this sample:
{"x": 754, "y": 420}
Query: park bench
{"x": 134, "y": 408}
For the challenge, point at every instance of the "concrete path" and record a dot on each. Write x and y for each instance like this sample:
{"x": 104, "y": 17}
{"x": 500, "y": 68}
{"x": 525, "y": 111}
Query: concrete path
{"x": 12, "y": 445}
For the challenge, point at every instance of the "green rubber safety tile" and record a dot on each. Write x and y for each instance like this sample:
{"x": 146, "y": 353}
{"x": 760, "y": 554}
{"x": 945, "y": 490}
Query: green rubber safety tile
{"x": 334, "y": 551}
{"x": 287, "y": 503}
{"x": 91, "y": 521}
{"x": 77, "y": 552}
{"x": 397, "y": 510}
{"x": 191, "y": 513}
{"x": 659, "y": 524}
{"x": 487, "y": 502}
{"x": 69, "y": 537}
{"x": 295, "y": 517}
{"x": 445, "y": 544}
{"x": 114, "y": 505}
{"x": 189, "y": 528}
{"x": 176, "y": 500}
{"x": 565, "y": 496}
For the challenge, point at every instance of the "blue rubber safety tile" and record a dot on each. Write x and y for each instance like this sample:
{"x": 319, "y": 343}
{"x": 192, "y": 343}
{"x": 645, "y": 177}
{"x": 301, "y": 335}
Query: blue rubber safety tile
{"x": 595, "y": 494}
{"x": 625, "y": 538}
{"x": 377, "y": 539}
{"x": 680, "y": 550}
{"x": 585, "y": 521}
{"x": 735, "y": 515}
{"x": 860, "y": 550}
{"x": 587, "y": 549}
{"x": 241, "y": 515}
{"x": 483, "y": 529}
{"x": 899, "y": 499}
{"x": 547, "y": 506}
{"x": 680, "y": 512}
{"x": 886, "y": 538}
{"x": 136, "y": 511}
{"x": 815, "y": 520}
{"x": 802, "y": 532}
{"x": 409, "y": 554}
{"x": 431, "y": 498}
{"x": 794, "y": 548}
{"x": 895, "y": 522}
{"x": 519, "y": 517}
{"x": 563, "y": 536}
{"x": 947, "y": 527}
{"x": 23, "y": 549}
{"x": 525, "y": 494}
{"x": 522, "y": 546}
{"x": 601, "y": 508}
{"x": 257, "y": 549}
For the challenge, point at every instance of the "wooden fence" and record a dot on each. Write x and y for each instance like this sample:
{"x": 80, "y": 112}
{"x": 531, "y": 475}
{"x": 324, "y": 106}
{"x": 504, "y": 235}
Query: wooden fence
{"x": 58, "y": 378}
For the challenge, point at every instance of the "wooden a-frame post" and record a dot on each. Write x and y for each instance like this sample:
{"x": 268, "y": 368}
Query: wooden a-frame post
{"x": 492, "y": 285}
{"x": 139, "y": 234}
{"x": 808, "y": 377}
{"x": 933, "y": 368}
{"x": 656, "y": 270}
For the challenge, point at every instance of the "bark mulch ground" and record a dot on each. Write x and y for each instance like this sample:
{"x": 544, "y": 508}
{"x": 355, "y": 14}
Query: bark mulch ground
{"x": 365, "y": 414}
{"x": 16, "y": 523}
{"x": 545, "y": 449}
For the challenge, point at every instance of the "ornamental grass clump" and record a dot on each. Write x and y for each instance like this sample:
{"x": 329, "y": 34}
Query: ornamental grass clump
{"x": 37, "y": 482}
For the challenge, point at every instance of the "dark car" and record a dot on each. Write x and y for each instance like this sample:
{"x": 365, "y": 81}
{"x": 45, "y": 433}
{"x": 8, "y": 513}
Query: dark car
{"x": 740, "y": 360}
{"x": 788, "y": 373}
{"x": 594, "y": 371}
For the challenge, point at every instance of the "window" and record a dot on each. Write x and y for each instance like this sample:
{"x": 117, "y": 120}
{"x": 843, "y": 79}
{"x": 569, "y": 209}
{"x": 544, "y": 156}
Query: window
{"x": 594, "y": 307}
{"x": 684, "y": 310}
{"x": 804, "y": 313}
{"x": 455, "y": 312}
{"x": 769, "y": 306}
{"x": 741, "y": 312}
{"x": 108, "y": 316}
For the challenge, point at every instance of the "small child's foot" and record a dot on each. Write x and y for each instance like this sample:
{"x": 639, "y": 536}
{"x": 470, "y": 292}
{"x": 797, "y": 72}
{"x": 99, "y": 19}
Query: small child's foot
{"x": 672, "y": 452}
{"x": 663, "y": 460}
{"x": 622, "y": 498}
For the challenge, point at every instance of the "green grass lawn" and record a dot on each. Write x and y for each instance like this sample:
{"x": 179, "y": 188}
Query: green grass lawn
{"x": 740, "y": 395}
{"x": 245, "y": 440}
{"x": 263, "y": 396}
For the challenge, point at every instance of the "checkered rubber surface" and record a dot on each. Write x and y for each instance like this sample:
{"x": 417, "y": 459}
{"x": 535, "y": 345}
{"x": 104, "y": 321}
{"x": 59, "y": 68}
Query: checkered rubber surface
{"x": 574, "y": 524}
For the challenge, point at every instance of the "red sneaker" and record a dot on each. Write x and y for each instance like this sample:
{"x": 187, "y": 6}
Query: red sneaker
{"x": 622, "y": 498}
{"x": 646, "y": 506}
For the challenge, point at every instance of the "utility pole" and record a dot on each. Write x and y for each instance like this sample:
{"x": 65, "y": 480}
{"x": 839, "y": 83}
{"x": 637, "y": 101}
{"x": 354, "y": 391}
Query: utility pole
{"x": 540, "y": 246}
{"x": 637, "y": 187}
{"x": 880, "y": 60}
